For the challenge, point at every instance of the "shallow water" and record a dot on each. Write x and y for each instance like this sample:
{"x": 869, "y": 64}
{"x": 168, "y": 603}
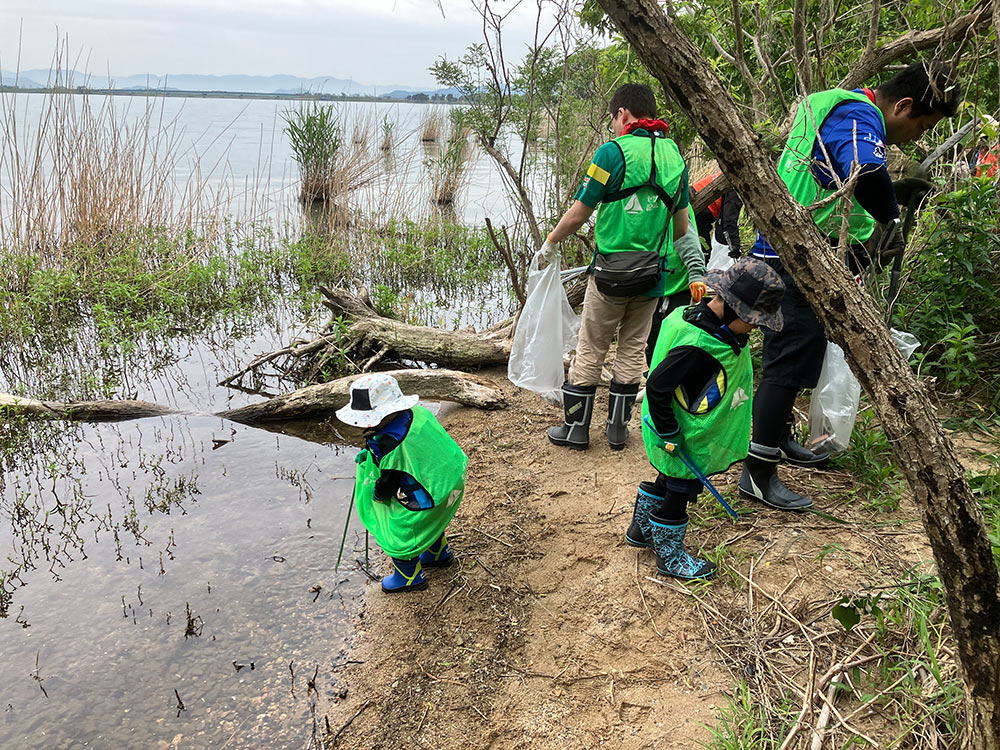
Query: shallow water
{"x": 127, "y": 525}
{"x": 238, "y": 150}
{"x": 253, "y": 529}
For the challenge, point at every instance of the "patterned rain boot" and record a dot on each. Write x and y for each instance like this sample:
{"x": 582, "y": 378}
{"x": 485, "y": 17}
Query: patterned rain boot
{"x": 647, "y": 501}
{"x": 407, "y": 575}
{"x": 671, "y": 557}
{"x": 439, "y": 555}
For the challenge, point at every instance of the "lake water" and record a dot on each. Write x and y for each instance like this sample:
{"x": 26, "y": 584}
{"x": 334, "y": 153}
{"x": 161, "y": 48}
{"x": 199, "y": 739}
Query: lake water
{"x": 187, "y": 559}
{"x": 239, "y": 149}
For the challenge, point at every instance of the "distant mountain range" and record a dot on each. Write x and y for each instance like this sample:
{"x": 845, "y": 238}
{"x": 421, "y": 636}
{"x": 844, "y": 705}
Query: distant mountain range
{"x": 276, "y": 84}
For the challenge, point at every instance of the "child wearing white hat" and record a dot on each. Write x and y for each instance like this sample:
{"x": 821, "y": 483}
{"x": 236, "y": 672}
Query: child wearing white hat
{"x": 410, "y": 479}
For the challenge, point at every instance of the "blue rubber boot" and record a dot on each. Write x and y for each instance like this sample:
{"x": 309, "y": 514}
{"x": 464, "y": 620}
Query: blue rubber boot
{"x": 407, "y": 575}
{"x": 671, "y": 557}
{"x": 647, "y": 502}
{"x": 439, "y": 555}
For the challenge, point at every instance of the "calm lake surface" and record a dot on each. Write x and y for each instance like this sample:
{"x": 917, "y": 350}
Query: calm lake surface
{"x": 188, "y": 560}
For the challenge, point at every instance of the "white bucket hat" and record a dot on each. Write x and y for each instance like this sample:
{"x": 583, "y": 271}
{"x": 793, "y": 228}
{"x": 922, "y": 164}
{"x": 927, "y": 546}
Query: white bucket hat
{"x": 373, "y": 398}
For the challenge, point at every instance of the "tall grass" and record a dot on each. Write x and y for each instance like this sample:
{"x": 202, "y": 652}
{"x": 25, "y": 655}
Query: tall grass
{"x": 330, "y": 164}
{"x": 449, "y": 171}
{"x": 433, "y": 126}
{"x": 90, "y": 174}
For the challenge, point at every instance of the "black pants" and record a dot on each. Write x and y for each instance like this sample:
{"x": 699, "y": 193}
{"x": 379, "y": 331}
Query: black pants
{"x": 666, "y": 306}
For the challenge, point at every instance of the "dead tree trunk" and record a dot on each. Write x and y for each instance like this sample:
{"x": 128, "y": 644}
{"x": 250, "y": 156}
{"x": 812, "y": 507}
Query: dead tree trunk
{"x": 83, "y": 411}
{"x": 951, "y": 515}
{"x": 323, "y": 399}
{"x": 372, "y": 334}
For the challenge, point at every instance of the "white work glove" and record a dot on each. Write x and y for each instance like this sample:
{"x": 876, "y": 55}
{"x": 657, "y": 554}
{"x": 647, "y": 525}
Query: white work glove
{"x": 550, "y": 251}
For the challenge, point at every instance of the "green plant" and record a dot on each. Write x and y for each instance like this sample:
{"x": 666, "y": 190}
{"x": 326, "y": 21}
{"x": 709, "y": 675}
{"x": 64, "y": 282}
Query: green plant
{"x": 314, "y": 131}
{"x": 870, "y": 463}
{"x": 950, "y": 299}
{"x": 746, "y": 724}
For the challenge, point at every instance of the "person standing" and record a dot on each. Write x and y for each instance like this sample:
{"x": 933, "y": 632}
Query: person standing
{"x": 638, "y": 183}
{"x": 719, "y": 221}
{"x": 834, "y": 133}
{"x": 697, "y": 406}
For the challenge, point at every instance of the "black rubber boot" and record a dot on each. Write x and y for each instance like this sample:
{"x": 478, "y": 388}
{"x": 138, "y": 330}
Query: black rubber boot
{"x": 578, "y": 406}
{"x": 799, "y": 455}
{"x": 647, "y": 501}
{"x": 621, "y": 399}
{"x": 760, "y": 480}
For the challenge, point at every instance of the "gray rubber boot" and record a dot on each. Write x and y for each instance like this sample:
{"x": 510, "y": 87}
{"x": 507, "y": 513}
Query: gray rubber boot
{"x": 760, "y": 480}
{"x": 796, "y": 454}
{"x": 578, "y": 406}
{"x": 671, "y": 557}
{"x": 621, "y": 399}
{"x": 647, "y": 501}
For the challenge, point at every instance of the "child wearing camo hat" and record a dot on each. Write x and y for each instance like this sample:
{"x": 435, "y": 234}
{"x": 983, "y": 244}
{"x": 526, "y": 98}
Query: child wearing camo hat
{"x": 698, "y": 397}
{"x": 410, "y": 479}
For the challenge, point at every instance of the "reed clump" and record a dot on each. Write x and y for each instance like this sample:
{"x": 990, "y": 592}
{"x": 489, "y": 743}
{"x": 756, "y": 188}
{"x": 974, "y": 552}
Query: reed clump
{"x": 86, "y": 179}
{"x": 433, "y": 126}
{"x": 330, "y": 165}
{"x": 450, "y": 170}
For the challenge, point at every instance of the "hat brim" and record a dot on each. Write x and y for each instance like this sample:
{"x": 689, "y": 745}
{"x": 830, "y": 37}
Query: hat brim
{"x": 371, "y": 417}
{"x": 774, "y": 321}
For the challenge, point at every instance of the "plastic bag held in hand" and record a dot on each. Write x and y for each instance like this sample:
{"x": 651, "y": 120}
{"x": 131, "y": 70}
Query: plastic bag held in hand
{"x": 834, "y": 406}
{"x": 547, "y": 330}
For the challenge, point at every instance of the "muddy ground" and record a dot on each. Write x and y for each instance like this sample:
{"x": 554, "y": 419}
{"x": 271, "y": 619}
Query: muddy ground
{"x": 550, "y": 631}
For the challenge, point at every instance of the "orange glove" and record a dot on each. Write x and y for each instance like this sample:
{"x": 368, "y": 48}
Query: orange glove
{"x": 698, "y": 290}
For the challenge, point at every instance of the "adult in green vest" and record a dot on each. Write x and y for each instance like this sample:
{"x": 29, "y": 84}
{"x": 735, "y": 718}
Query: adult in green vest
{"x": 834, "y": 133}
{"x": 638, "y": 183}
{"x": 410, "y": 479}
{"x": 698, "y": 405}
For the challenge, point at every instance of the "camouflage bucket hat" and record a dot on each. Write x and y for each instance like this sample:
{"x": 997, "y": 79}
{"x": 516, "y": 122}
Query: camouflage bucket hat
{"x": 753, "y": 289}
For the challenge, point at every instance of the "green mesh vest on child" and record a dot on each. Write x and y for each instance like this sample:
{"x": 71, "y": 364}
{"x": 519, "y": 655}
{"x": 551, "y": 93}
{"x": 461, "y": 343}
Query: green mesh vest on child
{"x": 430, "y": 456}
{"x": 715, "y": 425}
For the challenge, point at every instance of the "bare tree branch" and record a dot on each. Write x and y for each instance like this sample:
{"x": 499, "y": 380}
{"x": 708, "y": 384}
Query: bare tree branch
{"x": 975, "y": 21}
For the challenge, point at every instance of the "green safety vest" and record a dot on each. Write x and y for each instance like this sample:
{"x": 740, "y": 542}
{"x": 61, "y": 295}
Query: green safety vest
{"x": 430, "y": 456}
{"x": 715, "y": 427}
{"x": 795, "y": 166}
{"x": 636, "y": 217}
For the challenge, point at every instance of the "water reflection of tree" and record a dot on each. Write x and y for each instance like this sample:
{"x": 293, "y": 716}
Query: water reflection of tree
{"x": 65, "y": 486}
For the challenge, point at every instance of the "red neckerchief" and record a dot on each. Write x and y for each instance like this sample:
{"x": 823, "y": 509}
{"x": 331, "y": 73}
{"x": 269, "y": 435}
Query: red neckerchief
{"x": 653, "y": 126}
{"x": 870, "y": 94}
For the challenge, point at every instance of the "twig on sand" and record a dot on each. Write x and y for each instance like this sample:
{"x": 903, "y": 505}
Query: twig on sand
{"x": 333, "y": 741}
{"x": 643, "y": 597}
{"x": 490, "y": 536}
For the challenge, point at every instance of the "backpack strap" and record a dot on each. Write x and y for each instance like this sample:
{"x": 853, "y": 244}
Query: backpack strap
{"x": 651, "y": 182}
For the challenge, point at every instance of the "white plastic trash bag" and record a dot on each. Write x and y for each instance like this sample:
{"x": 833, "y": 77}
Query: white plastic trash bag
{"x": 546, "y": 332}
{"x": 834, "y": 406}
{"x": 719, "y": 259}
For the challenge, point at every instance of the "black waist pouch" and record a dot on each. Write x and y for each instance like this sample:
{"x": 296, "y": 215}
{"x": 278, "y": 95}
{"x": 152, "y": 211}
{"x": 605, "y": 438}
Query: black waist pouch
{"x": 627, "y": 273}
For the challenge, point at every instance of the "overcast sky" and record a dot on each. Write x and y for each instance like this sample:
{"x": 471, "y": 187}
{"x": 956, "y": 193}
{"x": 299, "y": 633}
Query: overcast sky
{"x": 370, "y": 41}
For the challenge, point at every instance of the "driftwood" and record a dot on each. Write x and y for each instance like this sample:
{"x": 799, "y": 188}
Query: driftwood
{"x": 371, "y": 334}
{"x": 83, "y": 411}
{"x": 323, "y": 399}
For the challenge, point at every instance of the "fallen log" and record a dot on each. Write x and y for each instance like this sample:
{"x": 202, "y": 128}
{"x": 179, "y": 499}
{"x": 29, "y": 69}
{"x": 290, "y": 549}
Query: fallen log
{"x": 371, "y": 334}
{"x": 82, "y": 411}
{"x": 323, "y": 399}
